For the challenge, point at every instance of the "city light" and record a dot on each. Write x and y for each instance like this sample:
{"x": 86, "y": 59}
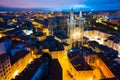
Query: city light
{"x": 15, "y": 73}
{"x": 30, "y": 60}
{"x": 59, "y": 39}
{"x": 0, "y": 36}
{"x": 97, "y": 39}
{"x": 119, "y": 56}
{"x": 90, "y": 79}
{"x": 28, "y": 32}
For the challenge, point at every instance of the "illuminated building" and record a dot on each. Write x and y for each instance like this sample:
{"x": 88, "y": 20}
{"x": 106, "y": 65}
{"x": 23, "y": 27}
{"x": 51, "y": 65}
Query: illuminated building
{"x": 46, "y": 31}
{"x": 96, "y": 35}
{"x": 5, "y": 64}
{"x": 102, "y": 64}
{"x": 78, "y": 67}
{"x": 28, "y": 32}
{"x": 105, "y": 60}
{"x": 14, "y": 20}
{"x": 74, "y": 66}
{"x": 21, "y": 56}
{"x": 14, "y": 57}
{"x": 53, "y": 47}
{"x": 34, "y": 71}
{"x": 40, "y": 28}
{"x": 37, "y": 24}
{"x": 5, "y": 67}
{"x": 1, "y": 19}
{"x": 104, "y": 38}
{"x": 114, "y": 21}
{"x": 113, "y": 42}
{"x": 75, "y": 29}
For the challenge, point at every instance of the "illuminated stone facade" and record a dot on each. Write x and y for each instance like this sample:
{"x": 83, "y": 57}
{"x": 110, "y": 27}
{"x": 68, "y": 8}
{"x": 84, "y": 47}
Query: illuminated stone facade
{"x": 22, "y": 59}
{"x": 101, "y": 38}
{"x": 81, "y": 75}
{"x": 21, "y": 63}
{"x": 96, "y": 35}
{"x": 115, "y": 44}
{"x": 75, "y": 29}
{"x": 78, "y": 67}
{"x": 104, "y": 68}
{"x": 13, "y": 64}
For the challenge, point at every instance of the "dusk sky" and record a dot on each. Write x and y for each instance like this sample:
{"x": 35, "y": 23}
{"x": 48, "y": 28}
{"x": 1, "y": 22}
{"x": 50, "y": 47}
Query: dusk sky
{"x": 62, "y": 4}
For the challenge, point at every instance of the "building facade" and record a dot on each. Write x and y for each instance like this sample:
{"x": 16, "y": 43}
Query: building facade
{"x": 5, "y": 67}
{"x": 75, "y": 29}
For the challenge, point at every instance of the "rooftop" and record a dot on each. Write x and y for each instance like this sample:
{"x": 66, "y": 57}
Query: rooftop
{"x": 4, "y": 39}
{"x": 56, "y": 70}
{"x": 114, "y": 66}
{"x": 18, "y": 56}
{"x": 108, "y": 55}
{"x": 107, "y": 51}
{"x": 30, "y": 70}
{"x": 115, "y": 78}
{"x": 52, "y": 44}
{"x": 114, "y": 38}
{"x": 78, "y": 62}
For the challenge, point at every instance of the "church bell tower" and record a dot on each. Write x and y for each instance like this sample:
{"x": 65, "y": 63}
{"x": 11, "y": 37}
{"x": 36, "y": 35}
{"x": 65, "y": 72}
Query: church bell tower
{"x": 75, "y": 30}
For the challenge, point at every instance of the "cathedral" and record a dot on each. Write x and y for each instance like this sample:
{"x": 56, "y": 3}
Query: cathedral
{"x": 75, "y": 30}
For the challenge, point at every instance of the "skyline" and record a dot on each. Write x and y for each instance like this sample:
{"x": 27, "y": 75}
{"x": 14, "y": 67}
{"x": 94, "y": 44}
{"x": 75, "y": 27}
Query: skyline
{"x": 62, "y": 4}
{"x": 59, "y": 40}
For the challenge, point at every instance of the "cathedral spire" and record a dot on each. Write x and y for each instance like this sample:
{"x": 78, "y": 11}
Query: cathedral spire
{"x": 71, "y": 15}
{"x": 72, "y": 9}
{"x": 75, "y": 30}
{"x": 80, "y": 15}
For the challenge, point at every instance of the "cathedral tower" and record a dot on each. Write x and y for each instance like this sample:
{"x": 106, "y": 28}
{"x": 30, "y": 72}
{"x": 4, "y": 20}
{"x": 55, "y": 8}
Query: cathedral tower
{"x": 75, "y": 29}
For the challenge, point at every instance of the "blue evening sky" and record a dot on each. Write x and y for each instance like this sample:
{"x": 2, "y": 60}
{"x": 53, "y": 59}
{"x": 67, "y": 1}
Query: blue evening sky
{"x": 63, "y": 4}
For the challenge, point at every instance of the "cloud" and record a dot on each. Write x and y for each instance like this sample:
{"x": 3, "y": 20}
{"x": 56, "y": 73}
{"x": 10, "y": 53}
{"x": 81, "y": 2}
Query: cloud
{"x": 80, "y": 6}
{"x": 96, "y": 4}
{"x": 39, "y": 3}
